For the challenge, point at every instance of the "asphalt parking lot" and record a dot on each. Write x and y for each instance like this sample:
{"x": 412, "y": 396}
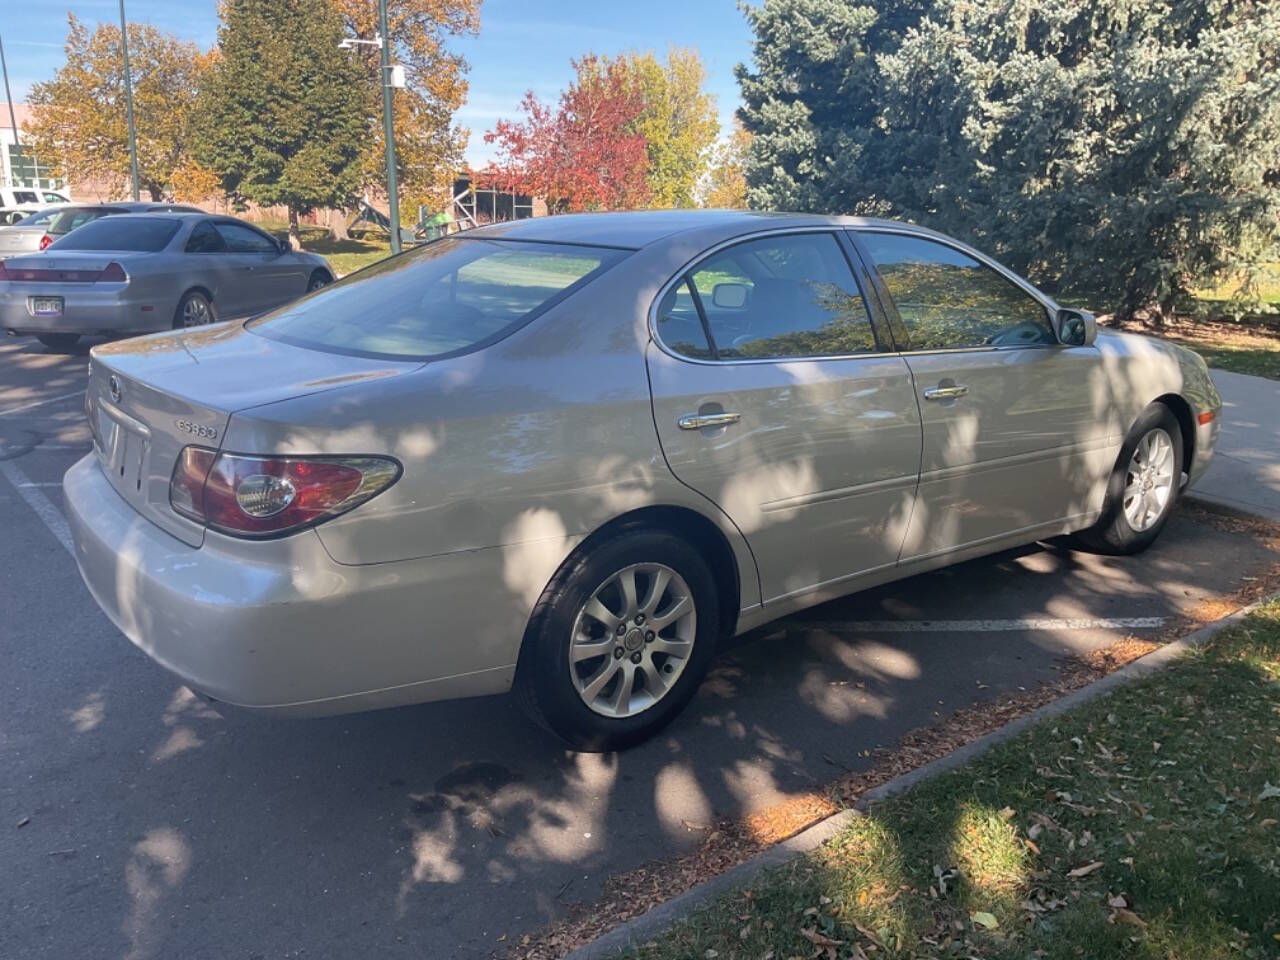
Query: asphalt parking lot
{"x": 136, "y": 821}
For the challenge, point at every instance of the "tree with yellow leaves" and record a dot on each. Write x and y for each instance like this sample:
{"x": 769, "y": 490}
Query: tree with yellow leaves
{"x": 79, "y": 124}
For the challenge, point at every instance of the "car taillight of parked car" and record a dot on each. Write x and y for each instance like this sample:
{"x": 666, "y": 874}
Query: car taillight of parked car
{"x": 45, "y": 241}
{"x": 261, "y": 497}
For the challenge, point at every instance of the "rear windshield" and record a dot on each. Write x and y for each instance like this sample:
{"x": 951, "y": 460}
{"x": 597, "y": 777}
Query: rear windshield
{"x": 448, "y": 297}
{"x": 141, "y": 234}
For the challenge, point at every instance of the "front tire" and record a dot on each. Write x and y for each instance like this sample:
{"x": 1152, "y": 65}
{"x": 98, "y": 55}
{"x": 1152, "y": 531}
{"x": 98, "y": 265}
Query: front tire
{"x": 58, "y": 341}
{"x": 620, "y": 640}
{"x": 317, "y": 280}
{"x": 1143, "y": 487}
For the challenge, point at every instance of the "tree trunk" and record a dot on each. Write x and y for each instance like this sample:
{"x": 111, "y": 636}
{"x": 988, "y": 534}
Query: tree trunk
{"x": 338, "y": 225}
{"x": 295, "y": 236}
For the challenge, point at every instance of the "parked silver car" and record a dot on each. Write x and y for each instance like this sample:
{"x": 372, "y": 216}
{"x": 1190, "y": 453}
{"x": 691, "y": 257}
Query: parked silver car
{"x": 137, "y": 273}
{"x": 24, "y": 234}
{"x": 571, "y": 453}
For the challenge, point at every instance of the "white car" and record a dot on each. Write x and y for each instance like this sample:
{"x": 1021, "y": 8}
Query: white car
{"x": 18, "y": 202}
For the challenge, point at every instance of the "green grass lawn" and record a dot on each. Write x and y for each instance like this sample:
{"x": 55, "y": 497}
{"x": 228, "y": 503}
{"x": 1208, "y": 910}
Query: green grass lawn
{"x": 1144, "y": 825}
{"x": 345, "y": 256}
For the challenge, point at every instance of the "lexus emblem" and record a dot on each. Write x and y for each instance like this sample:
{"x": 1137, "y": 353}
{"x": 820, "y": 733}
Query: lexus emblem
{"x": 113, "y": 387}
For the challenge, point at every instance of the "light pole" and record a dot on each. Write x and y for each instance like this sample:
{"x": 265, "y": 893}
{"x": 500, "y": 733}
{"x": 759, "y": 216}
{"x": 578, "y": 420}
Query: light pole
{"x": 128, "y": 100}
{"x": 391, "y": 78}
{"x": 388, "y": 130}
{"x": 13, "y": 121}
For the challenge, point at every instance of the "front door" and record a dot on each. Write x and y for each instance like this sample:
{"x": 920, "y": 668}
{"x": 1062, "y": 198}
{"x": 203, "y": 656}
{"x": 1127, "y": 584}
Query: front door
{"x": 774, "y": 400}
{"x": 1017, "y": 429}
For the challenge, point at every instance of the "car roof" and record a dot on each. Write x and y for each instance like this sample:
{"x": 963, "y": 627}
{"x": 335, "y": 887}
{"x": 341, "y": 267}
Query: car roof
{"x": 639, "y": 228}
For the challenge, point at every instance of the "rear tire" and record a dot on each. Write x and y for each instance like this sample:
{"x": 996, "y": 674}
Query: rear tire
{"x": 1143, "y": 487}
{"x": 583, "y": 700}
{"x": 194, "y": 310}
{"x": 317, "y": 280}
{"x": 58, "y": 341}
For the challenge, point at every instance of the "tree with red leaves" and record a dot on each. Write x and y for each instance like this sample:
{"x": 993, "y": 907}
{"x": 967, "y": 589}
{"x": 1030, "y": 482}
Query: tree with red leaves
{"x": 581, "y": 155}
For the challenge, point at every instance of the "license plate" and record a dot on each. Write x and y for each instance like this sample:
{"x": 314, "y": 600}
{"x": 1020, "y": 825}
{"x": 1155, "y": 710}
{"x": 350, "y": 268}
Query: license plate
{"x": 46, "y": 306}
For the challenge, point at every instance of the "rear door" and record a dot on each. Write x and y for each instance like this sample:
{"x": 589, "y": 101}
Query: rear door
{"x": 774, "y": 399}
{"x": 1017, "y": 429}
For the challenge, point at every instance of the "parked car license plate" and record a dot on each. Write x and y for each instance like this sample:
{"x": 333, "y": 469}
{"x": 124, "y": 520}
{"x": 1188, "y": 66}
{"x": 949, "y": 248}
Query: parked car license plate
{"x": 46, "y": 306}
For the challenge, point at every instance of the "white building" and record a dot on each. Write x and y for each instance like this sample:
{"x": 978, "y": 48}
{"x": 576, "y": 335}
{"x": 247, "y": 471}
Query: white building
{"x": 19, "y": 166}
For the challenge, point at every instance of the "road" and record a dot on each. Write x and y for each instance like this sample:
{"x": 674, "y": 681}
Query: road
{"x": 135, "y": 821}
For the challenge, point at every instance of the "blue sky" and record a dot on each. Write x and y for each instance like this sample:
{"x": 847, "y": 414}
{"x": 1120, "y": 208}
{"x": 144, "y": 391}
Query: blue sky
{"x": 523, "y": 44}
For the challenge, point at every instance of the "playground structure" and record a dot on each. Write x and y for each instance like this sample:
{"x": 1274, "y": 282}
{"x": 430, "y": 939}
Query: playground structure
{"x": 470, "y": 206}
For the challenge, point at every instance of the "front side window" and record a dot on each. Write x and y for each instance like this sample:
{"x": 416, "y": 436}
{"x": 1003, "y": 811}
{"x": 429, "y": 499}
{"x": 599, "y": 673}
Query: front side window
{"x": 242, "y": 239}
{"x": 948, "y": 300}
{"x": 779, "y": 297}
{"x": 446, "y": 297}
{"x": 51, "y": 197}
{"x": 135, "y": 234}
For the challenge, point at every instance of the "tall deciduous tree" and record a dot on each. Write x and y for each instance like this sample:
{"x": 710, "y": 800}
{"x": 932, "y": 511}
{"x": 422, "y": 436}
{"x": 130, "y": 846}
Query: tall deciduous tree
{"x": 429, "y": 144}
{"x": 78, "y": 117}
{"x": 285, "y": 112}
{"x": 582, "y": 154}
{"x": 725, "y": 185}
{"x": 678, "y": 122}
{"x": 1130, "y": 149}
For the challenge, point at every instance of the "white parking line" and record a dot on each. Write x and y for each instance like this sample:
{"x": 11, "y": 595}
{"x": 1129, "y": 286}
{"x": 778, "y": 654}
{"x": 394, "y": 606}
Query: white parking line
{"x": 41, "y": 483}
{"x": 49, "y": 515}
{"x": 40, "y": 403}
{"x": 981, "y": 626}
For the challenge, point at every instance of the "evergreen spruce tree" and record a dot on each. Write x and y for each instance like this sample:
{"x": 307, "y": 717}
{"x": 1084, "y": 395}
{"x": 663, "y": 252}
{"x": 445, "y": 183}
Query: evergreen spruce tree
{"x": 1129, "y": 149}
{"x": 285, "y": 111}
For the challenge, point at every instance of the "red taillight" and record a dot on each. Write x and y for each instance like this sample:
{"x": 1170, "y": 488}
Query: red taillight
{"x": 113, "y": 273}
{"x": 45, "y": 241}
{"x": 1206, "y": 417}
{"x": 248, "y": 496}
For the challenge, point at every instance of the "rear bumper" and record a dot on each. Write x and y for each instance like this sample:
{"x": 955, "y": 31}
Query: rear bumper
{"x": 110, "y": 309}
{"x": 279, "y": 625}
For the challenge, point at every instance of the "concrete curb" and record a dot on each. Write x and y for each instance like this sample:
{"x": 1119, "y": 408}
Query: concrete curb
{"x": 649, "y": 925}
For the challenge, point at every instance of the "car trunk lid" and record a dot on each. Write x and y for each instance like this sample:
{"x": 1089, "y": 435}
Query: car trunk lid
{"x": 151, "y": 396}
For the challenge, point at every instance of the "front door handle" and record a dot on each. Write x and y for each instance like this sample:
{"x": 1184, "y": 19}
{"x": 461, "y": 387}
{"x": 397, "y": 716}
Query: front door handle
{"x": 945, "y": 392}
{"x": 696, "y": 421}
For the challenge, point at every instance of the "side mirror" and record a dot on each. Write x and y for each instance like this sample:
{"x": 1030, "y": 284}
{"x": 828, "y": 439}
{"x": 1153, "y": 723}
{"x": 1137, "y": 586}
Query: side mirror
{"x": 729, "y": 296}
{"x": 283, "y": 244}
{"x": 1077, "y": 328}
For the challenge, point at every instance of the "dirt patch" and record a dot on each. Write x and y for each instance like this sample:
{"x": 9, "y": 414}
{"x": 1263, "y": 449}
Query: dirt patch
{"x": 730, "y": 842}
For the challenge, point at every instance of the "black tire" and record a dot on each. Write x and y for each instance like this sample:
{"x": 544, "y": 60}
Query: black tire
{"x": 318, "y": 279}
{"x": 543, "y": 682}
{"x": 189, "y": 298}
{"x": 1113, "y": 533}
{"x": 58, "y": 341}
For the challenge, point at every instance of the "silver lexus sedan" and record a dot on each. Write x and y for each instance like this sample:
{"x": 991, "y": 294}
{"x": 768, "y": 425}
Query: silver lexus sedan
{"x": 569, "y": 454}
{"x": 138, "y": 273}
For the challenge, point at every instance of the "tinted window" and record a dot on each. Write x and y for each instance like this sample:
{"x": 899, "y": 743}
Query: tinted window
{"x": 141, "y": 234}
{"x": 242, "y": 239}
{"x": 785, "y": 296}
{"x": 679, "y": 324}
{"x": 445, "y": 297}
{"x": 948, "y": 300}
{"x": 51, "y": 197}
{"x": 205, "y": 239}
{"x": 69, "y": 218}
{"x": 25, "y": 196}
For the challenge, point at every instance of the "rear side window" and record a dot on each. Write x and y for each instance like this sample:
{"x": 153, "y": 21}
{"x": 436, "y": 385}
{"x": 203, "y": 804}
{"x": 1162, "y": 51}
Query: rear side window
{"x": 447, "y": 297}
{"x": 205, "y": 239}
{"x": 779, "y": 297}
{"x": 135, "y": 234}
{"x": 948, "y": 300}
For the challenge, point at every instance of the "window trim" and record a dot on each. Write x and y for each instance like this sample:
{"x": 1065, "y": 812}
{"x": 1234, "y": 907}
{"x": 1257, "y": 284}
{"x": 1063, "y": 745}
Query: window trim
{"x": 861, "y": 278}
{"x": 1050, "y": 308}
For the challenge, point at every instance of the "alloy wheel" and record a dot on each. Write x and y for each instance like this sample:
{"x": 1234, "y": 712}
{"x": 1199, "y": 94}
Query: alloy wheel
{"x": 195, "y": 312}
{"x": 1148, "y": 484}
{"x": 632, "y": 639}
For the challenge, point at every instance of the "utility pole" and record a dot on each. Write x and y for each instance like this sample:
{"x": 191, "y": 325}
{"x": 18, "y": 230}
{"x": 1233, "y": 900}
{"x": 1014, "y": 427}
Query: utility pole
{"x": 13, "y": 121}
{"x": 393, "y": 195}
{"x": 128, "y": 99}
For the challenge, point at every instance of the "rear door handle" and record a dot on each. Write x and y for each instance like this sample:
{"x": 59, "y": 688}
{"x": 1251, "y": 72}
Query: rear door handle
{"x": 696, "y": 421}
{"x": 949, "y": 392}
